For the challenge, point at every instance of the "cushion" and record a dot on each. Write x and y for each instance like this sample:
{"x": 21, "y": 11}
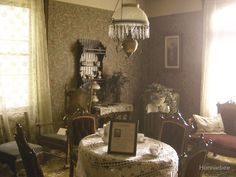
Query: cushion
{"x": 209, "y": 124}
{"x": 223, "y": 141}
{"x": 222, "y": 144}
{"x": 10, "y": 150}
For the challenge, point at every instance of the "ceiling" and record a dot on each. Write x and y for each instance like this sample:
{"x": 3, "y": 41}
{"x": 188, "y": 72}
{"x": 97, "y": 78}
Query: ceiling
{"x": 101, "y": 4}
{"x": 151, "y": 7}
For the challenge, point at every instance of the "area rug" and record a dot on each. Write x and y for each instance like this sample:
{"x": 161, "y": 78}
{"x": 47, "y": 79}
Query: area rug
{"x": 52, "y": 167}
{"x": 55, "y": 167}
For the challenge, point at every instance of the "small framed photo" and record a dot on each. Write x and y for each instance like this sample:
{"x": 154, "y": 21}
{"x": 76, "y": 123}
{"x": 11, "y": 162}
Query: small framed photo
{"x": 172, "y": 52}
{"x": 123, "y": 137}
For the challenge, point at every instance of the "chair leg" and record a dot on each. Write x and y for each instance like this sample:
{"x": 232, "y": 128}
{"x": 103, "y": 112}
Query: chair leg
{"x": 13, "y": 169}
{"x": 71, "y": 169}
{"x": 67, "y": 154}
{"x": 66, "y": 165}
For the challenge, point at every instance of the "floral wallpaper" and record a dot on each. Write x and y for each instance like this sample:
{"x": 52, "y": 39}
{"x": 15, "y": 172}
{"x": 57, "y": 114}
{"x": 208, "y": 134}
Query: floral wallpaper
{"x": 66, "y": 24}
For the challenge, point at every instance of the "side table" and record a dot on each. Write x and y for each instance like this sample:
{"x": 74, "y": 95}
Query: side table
{"x": 107, "y": 112}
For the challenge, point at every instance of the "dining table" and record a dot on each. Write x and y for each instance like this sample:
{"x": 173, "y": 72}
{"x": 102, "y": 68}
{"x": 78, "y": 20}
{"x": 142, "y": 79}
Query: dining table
{"x": 153, "y": 159}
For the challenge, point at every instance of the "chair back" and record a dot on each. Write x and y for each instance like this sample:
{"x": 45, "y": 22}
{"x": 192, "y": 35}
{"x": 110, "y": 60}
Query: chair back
{"x": 195, "y": 164}
{"x": 192, "y": 165}
{"x": 80, "y": 127}
{"x": 174, "y": 132}
{"x": 228, "y": 112}
{"x": 28, "y": 155}
{"x": 77, "y": 99}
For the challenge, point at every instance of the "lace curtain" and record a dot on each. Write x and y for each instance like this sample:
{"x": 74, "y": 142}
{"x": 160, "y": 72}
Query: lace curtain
{"x": 24, "y": 78}
{"x": 219, "y": 57}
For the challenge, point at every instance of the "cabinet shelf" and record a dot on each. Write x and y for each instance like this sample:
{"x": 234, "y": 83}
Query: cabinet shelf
{"x": 91, "y": 55}
{"x": 102, "y": 51}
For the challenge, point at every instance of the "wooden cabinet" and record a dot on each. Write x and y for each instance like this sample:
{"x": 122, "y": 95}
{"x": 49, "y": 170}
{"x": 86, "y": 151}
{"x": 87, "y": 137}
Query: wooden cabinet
{"x": 91, "y": 55}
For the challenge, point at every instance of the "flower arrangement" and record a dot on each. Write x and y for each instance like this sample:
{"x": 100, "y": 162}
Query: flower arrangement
{"x": 162, "y": 97}
{"x": 114, "y": 85}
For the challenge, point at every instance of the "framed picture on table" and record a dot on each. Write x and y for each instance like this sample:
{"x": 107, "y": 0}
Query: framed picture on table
{"x": 172, "y": 52}
{"x": 123, "y": 137}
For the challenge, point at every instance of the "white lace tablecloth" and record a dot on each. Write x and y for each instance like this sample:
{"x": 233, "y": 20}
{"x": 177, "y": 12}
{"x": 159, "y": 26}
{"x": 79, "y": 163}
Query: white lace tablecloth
{"x": 113, "y": 108}
{"x": 94, "y": 161}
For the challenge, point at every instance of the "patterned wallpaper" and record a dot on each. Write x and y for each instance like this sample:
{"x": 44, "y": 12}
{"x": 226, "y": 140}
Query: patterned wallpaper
{"x": 186, "y": 81}
{"x": 69, "y": 22}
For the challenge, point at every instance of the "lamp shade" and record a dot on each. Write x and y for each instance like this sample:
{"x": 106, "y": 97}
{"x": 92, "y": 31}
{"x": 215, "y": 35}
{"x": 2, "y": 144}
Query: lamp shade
{"x": 129, "y": 19}
{"x": 130, "y": 13}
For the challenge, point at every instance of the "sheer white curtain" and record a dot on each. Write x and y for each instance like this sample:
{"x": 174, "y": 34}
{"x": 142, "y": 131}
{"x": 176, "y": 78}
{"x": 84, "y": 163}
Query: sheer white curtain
{"x": 219, "y": 54}
{"x": 24, "y": 82}
{"x": 40, "y": 88}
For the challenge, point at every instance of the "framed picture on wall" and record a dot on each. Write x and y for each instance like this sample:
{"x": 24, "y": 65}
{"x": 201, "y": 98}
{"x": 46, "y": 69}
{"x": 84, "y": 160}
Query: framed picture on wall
{"x": 172, "y": 52}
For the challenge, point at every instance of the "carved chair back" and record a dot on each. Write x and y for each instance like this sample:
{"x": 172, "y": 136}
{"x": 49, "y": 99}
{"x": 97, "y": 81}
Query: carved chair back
{"x": 28, "y": 155}
{"x": 174, "y": 131}
{"x": 78, "y": 128}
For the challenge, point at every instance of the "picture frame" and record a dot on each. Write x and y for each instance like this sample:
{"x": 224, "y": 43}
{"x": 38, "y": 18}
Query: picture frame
{"x": 172, "y": 52}
{"x": 123, "y": 132}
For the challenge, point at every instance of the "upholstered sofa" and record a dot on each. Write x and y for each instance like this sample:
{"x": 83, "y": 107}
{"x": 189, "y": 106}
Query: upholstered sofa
{"x": 223, "y": 142}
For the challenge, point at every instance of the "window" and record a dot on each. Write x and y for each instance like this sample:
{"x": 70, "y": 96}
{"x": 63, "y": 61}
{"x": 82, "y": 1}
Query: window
{"x": 14, "y": 57}
{"x": 220, "y": 55}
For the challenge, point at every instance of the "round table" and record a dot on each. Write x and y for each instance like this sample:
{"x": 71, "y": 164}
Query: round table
{"x": 94, "y": 161}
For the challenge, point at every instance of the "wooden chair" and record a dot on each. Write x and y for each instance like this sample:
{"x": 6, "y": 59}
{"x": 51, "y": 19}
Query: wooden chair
{"x": 192, "y": 163}
{"x": 78, "y": 128}
{"x": 174, "y": 131}
{"x": 28, "y": 155}
{"x": 76, "y": 101}
{"x": 10, "y": 155}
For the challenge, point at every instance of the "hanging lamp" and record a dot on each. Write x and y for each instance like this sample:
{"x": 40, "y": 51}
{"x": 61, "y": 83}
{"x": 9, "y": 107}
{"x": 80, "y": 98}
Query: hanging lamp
{"x": 129, "y": 24}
